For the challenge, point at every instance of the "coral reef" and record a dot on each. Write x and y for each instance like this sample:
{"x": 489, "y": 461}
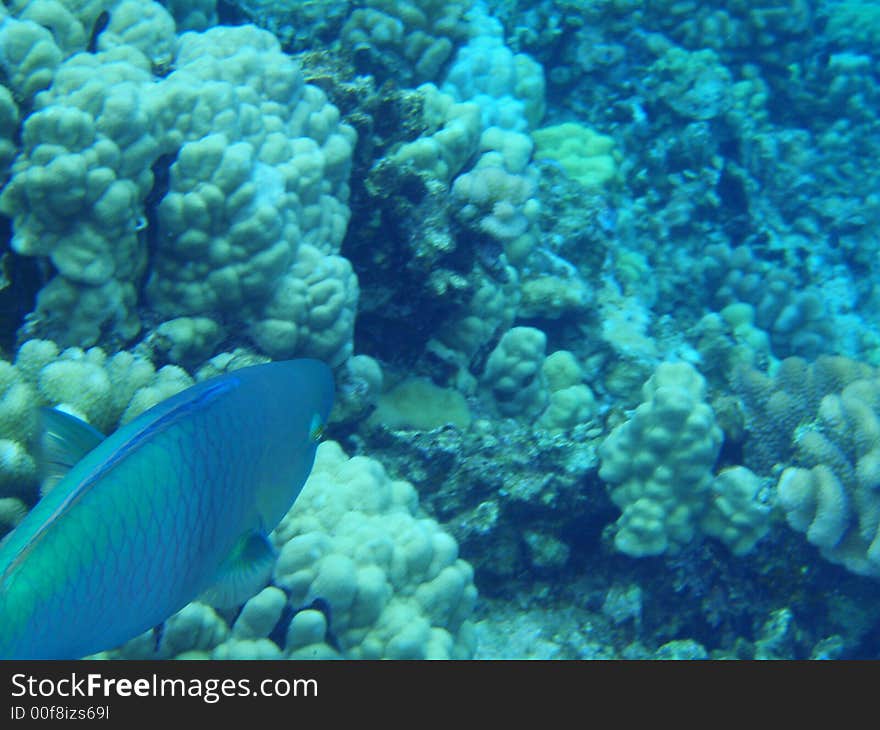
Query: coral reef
{"x": 597, "y": 281}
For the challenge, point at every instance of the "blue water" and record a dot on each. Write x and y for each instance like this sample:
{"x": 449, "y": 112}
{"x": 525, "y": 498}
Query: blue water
{"x": 598, "y": 279}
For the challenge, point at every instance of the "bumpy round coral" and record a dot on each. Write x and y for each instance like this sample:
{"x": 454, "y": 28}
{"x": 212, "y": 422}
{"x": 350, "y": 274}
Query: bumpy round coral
{"x": 832, "y": 495}
{"x": 312, "y": 310}
{"x": 250, "y": 163}
{"x": 509, "y": 87}
{"x": 514, "y": 372}
{"x": 394, "y": 582}
{"x": 660, "y": 462}
{"x": 410, "y": 39}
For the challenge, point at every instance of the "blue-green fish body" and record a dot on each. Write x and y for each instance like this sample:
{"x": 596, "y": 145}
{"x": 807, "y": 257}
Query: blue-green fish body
{"x": 161, "y": 510}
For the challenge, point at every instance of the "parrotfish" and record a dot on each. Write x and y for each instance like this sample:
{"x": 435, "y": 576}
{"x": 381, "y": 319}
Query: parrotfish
{"x": 175, "y": 505}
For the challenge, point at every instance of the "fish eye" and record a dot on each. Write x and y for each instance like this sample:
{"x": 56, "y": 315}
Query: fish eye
{"x": 316, "y": 428}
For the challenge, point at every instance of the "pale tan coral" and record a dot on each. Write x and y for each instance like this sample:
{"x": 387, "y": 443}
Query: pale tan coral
{"x": 659, "y": 463}
{"x": 831, "y": 492}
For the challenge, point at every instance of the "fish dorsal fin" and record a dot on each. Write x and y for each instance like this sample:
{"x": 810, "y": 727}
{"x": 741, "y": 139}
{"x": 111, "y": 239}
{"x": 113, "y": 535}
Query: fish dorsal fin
{"x": 243, "y": 573}
{"x": 63, "y": 441}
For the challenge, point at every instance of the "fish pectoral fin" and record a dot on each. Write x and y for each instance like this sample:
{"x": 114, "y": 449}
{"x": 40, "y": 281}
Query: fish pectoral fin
{"x": 245, "y": 571}
{"x": 158, "y": 635}
{"x": 63, "y": 441}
